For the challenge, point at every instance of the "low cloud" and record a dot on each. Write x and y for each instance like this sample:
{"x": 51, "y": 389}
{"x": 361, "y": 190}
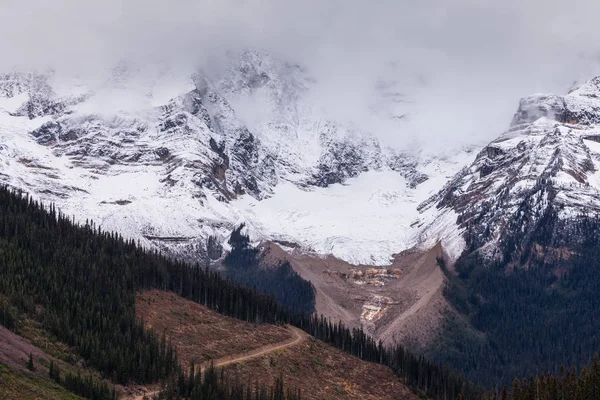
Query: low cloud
{"x": 462, "y": 65}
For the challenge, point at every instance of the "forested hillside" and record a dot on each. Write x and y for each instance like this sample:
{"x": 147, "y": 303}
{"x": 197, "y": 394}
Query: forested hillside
{"x": 536, "y": 313}
{"x": 568, "y": 384}
{"x": 243, "y": 266}
{"x": 86, "y": 281}
{"x": 81, "y": 284}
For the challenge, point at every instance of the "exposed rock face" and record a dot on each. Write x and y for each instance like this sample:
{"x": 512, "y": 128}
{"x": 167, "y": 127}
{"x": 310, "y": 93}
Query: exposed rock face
{"x": 199, "y": 146}
{"x": 179, "y": 153}
{"x": 13, "y": 84}
{"x": 47, "y": 133}
{"x": 175, "y": 173}
{"x": 541, "y": 175}
{"x": 578, "y": 107}
{"x": 41, "y": 99}
{"x": 343, "y": 160}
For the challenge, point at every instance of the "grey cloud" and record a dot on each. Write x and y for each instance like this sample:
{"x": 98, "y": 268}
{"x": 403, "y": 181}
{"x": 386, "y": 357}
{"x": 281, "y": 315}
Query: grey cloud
{"x": 477, "y": 57}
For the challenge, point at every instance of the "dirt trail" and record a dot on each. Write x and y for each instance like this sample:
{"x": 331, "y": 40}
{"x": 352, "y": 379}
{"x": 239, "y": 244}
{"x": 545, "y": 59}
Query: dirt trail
{"x": 299, "y": 336}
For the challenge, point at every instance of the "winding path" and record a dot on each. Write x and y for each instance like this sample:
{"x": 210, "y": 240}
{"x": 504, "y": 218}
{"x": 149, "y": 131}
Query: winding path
{"x": 299, "y": 336}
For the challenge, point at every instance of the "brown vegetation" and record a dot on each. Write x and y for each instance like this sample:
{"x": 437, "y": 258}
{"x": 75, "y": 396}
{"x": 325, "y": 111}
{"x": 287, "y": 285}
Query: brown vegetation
{"x": 16, "y": 381}
{"x": 322, "y": 372}
{"x": 260, "y": 353}
{"x": 200, "y": 334}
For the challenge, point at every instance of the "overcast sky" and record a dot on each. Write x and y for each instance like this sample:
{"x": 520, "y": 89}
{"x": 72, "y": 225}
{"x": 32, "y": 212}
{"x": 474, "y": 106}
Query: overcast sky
{"x": 464, "y": 63}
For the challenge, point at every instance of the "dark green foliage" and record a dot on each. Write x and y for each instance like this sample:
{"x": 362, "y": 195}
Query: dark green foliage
{"x": 86, "y": 281}
{"x": 565, "y": 385}
{"x": 8, "y": 316}
{"x": 532, "y": 317}
{"x": 198, "y": 385}
{"x": 29, "y": 364}
{"x": 54, "y": 372}
{"x": 88, "y": 387}
{"x": 243, "y": 266}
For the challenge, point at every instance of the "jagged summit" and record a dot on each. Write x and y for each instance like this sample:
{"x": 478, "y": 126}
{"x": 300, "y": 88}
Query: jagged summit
{"x": 176, "y": 160}
{"x": 541, "y": 174}
{"x": 247, "y": 145}
{"x": 580, "y": 106}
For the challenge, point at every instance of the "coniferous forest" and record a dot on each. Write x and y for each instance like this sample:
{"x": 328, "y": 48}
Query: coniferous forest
{"x": 567, "y": 384}
{"x": 533, "y": 318}
{"x": 199, "y": 385}
{"x": 86, "y": 281}
{"x": 243, "y": 266}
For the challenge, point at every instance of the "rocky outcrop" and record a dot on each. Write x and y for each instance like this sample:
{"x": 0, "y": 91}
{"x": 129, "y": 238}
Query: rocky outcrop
{"x": 340, "y": 162}
{"x": 47, "y": 133}
{"x": 539, "y": 176}
{"x": 198, "y": 151}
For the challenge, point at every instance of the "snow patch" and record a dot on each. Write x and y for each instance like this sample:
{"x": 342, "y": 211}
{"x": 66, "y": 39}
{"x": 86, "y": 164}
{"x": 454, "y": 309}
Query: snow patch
{"x": 364, "y": 221}
{"x": 12, "y": 104}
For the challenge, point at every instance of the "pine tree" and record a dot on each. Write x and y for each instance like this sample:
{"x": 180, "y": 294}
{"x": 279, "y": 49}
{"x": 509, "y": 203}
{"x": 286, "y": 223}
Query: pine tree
{"x": 29, "y": 364}
{"x": 54, "y": 372}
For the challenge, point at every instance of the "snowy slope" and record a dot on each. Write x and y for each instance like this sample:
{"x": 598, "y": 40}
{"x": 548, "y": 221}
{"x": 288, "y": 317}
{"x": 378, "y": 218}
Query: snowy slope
{"x": 541, "y": 175}
{"x": 172, "y": 159}
{"x": 363, "y": 221}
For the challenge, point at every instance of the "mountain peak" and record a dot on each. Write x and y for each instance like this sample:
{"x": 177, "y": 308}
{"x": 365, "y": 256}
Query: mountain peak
{"x": 212, "y": 151}
{"x": 580, "y": 106}
{"x": 544, "y": 167}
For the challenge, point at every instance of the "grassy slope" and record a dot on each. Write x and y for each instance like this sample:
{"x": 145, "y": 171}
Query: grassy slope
{"x": 16, "y": 382}
{"x": 25, "y": 386}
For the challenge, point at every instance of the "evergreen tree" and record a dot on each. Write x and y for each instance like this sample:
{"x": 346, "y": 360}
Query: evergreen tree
{"x": 29, "y": 364}
{"x": 54, "y": 372}
{"x": 531, "y": 312}
{"x": 244, "y": 266}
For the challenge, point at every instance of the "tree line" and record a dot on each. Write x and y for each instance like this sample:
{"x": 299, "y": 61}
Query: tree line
{"x": 81, "y": 284}
{"x": 85, "y": 280}
{"x": 208, "y": 384}
{"x": 243, "y": 265}
{"x": 567, "y": 384}
{"x": 86, "y": 387}
{"x": 422, "y": 375}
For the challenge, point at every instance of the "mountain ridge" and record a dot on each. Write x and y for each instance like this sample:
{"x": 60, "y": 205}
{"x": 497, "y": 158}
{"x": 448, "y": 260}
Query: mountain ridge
{"x": 126, "y": 165}
{"x": 547, "y": 162}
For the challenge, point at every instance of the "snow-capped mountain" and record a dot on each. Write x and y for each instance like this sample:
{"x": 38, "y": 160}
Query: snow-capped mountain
{"x": 173, "y": 160}
{"x": 541, "y": 176}
{"x": 177, "y": 161}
